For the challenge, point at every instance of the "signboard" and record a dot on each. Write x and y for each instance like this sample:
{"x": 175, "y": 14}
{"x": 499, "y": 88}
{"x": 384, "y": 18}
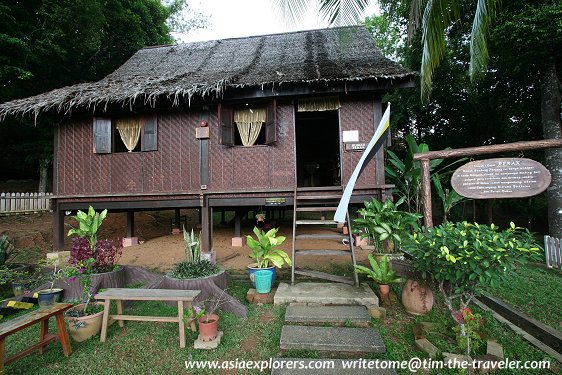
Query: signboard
{"x": 275, "y": 201}
{"x": 501, "y": 178}
{"x": 355, "y": 146}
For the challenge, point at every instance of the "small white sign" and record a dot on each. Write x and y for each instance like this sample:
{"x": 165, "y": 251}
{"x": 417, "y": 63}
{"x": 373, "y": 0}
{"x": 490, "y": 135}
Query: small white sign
{"x": 351, "y": 135}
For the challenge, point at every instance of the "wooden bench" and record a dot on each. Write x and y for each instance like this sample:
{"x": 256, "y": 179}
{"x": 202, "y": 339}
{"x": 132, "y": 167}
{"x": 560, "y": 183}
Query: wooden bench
{"x": 126, "y": 294}
{"x": 40, "y": 316}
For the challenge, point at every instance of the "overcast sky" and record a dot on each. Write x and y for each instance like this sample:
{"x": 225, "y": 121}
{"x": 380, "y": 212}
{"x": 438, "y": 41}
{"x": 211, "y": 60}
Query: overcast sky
{"x": 236, "y": 18}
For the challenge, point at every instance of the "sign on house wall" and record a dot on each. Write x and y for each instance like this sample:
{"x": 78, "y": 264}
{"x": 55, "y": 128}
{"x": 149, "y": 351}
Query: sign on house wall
{"x": 501, "y": 178}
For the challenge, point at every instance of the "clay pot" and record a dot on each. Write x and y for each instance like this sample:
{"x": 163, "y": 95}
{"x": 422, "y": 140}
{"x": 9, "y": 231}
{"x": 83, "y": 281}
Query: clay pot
{"x": 416, "y": 298}
{"x": 83, "y": 327}
{"x": 384, "y": 289}
{"x": 208, "y": 327}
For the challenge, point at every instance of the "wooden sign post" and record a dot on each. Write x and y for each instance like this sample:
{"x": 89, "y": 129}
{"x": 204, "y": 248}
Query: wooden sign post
{"x": 425, "y": 157}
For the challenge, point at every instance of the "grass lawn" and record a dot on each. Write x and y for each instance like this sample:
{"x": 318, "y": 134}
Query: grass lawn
{"x": 535, "y": 291}
{"x": 152, "y": 348}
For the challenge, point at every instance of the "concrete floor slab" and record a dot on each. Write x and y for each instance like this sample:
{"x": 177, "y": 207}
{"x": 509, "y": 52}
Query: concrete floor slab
{"x": 327, "y": 314}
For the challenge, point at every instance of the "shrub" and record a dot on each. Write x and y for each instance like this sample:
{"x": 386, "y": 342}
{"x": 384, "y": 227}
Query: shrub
{"x": 104, "y": 253}
{"x": 192, "y": 270}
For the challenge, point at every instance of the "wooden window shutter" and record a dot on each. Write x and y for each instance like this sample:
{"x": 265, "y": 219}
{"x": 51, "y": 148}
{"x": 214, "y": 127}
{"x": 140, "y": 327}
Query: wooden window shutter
{"x": 227, "y": 128}
{"x": 270, "y": 123}
{"x": 150, "y": 133}
{"x": 102, "y": 135}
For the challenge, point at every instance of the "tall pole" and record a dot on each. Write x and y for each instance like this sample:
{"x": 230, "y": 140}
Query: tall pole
{"x": 426, "y": 193}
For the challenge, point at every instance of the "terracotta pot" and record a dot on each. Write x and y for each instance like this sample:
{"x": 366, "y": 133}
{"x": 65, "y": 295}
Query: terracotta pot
{"x": 384, "y": 289}
{"x": 82, "y": 328}
{"x": 417, "y": 299}
{"x": 208, "y": 327}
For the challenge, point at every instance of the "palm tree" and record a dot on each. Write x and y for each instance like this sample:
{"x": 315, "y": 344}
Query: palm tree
{"x": 435, "y": 17}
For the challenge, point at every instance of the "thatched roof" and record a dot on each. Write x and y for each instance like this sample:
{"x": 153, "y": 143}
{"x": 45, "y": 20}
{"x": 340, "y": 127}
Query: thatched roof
{"x": 208, "y": 68}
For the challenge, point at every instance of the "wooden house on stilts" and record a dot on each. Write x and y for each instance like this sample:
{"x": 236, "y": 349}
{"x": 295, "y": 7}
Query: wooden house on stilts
{"x": 225, "y": 124}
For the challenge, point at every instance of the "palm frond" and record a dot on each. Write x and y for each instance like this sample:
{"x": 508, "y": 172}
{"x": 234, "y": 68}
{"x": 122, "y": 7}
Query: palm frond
{"x": 291, "y": 11}
{"x": 438, "y": 15}
{"x": 485, "y": 13}
{"x": 415, "y": 17}
{"x": 342, "y": 12}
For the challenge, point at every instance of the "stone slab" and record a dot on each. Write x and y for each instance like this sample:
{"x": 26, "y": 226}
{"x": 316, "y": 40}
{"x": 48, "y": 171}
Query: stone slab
{"x": 428, "y": 347}
{"x": 208, "y": 345}
{"x": 325, "y": 294}
{"x": 237, "y": 242}
{"x": 305, "y": 366}
{"x": 494, "y": 348}
{"x": 377, "y": 312}
{"x": 333, "y": 339}
{"x": 327, "y": 314}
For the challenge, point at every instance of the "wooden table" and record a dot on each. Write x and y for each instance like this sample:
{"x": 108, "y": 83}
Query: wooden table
{"x": 40, "y": 316}
{"x": 126, "y": 294}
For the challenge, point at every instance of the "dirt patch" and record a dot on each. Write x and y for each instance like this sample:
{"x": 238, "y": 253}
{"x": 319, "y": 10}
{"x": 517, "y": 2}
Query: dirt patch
{"x": 160, "y": 250}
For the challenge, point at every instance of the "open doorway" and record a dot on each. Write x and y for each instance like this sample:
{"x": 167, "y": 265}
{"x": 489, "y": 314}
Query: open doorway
{"x": 318, "y": 149}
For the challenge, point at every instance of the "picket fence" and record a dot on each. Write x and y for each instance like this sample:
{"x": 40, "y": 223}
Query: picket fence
{"x": 13, "y": 203}
{"x": 553, "y": 252}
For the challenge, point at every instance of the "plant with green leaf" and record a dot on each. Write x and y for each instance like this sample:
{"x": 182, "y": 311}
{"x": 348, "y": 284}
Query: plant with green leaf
{"x": 192, "y": 246}
{"x": 380, "y": 272}
{"x": 264, "y": 250}
{"x": 464, "y": 258}
{"x": 449, "y": 198}
{"x": 88, "y": 225}
{"x": 385, "y": 224}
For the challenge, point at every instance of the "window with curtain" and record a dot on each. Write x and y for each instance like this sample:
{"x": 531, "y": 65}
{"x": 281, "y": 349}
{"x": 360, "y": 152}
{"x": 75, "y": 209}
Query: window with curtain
{"x": 250, "y": 126}
{"x": 127, "y": 134}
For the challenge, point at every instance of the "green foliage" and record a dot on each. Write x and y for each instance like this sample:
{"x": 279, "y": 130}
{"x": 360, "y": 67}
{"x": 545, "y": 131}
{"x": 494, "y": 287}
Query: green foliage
{"x": 264, "y": 251}
{"x": 449, "y": 198}
{"x": 88, "y": 225}
{"x": 192, "y": 270}
{"x": 381, "y": 273}
{"x": 6, "y": 249}
{"x": 386, "y": 34}
{"x": 385, "y": 224}
{"x": 192, "y": 246}
{"x": 470, "y": 257}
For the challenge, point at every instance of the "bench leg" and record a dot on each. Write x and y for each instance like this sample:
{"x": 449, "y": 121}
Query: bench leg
{"x": 63, "y": 335}
{"x": 105, "y": 320}
{"x": 191, "y": 316}
{"x": 181, "y": 324}
{"x": 120, "y": 312}
{"x": 43, "y": 333}
{"x": 2, "y": 356}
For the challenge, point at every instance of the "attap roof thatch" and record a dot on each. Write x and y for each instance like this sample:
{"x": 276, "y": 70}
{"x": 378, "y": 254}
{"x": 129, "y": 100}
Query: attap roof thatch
{"x": 208, "y": 68}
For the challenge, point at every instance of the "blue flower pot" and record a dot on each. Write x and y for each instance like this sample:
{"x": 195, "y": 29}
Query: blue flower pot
{"x": 252, "y": 268}
{"x": 48, "y": 297}
{"x": 262, "y": 278}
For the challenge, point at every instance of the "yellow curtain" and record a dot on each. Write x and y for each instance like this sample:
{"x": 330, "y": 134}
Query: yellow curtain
{"x": 249, "y": 123}
{"x": 129, "y": 130}
{"x": 319, "y": 104}
{"x": 249, "y": 132}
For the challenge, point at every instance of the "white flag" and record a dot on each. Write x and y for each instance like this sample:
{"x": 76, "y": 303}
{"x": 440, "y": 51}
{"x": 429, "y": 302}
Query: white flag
{"x": 369, "y": 150}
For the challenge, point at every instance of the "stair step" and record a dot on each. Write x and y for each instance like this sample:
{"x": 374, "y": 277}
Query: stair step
{"x": 327, "y": 314}
{"x": 287, "y": 366}
{"x": 318, "y": 197}
{"x": 326, "y": 294}
{"x": 333, "y": 339}
{"x": 322, "y": 252}
{"x": 324, "y": 276}
{"x": 316, "y": 222}
{"x": 325, "y": 236}
{"x": 316, "y": 209}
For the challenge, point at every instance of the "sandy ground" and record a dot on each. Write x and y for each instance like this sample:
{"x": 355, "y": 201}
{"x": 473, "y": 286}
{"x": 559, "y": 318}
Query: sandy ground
{"x": 160, "y": 250}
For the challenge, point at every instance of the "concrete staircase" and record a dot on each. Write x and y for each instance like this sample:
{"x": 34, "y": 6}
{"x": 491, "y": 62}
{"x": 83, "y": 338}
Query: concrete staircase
{"x": 351, "y": 336}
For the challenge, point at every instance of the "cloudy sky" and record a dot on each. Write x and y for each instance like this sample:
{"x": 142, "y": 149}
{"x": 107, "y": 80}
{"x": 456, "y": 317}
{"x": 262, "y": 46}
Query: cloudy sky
{"x": 236, "y": 18}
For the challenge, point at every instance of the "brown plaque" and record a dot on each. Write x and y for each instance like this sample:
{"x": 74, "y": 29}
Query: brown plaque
{"x": 501, "y": 178}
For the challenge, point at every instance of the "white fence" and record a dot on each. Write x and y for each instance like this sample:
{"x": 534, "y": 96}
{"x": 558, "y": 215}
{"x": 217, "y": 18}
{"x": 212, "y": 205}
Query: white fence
{"x": 24, "y": 202}
{"x": 553, "y": 252}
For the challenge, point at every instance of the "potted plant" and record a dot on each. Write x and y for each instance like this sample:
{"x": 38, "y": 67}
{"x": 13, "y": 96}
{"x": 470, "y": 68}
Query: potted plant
{"x": 49, "y": 296}
{"x": 193, "y": 266}
{"x": 385, "y": 225}
{"x": 207, "y": 319}
{"x": 85, "y": 318}
{"x": 463, "y": 258}
{"x": 9, "y": 272}
{"x": 381, "y": 273}
{"x": 265, "y": 253}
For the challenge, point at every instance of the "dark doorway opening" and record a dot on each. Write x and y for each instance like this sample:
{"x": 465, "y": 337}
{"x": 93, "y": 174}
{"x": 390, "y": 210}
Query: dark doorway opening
{"x": 318, "y": 149}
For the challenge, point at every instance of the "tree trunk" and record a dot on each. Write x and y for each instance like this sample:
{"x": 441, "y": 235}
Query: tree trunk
{"x": 43, "y": 175}
{"x": 550, "y": 117}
